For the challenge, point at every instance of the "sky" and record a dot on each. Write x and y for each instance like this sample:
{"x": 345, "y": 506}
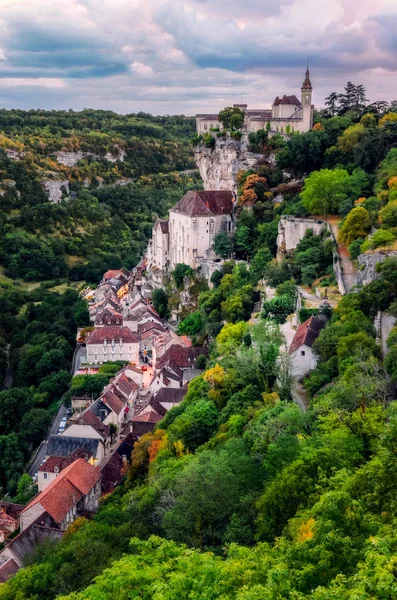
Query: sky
{"x": 188, "y": 56}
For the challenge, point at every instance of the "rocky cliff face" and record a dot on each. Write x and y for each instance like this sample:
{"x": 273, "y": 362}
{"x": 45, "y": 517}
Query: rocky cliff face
{"x": 366, "y": 271}
{"x": 55, "y": 187}
{"x": 219, "y": 165}
{"x": 70, "y": 159}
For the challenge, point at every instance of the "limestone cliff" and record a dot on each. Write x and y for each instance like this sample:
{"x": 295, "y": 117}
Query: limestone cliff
{"x": 219, "y": 165}
{"x": 367, "y": 265}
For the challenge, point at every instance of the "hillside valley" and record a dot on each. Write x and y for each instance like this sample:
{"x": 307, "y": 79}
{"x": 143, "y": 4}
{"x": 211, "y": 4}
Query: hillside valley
{"x": 235, "y": 490}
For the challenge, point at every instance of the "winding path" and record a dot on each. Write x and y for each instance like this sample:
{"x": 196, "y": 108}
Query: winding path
{"x": 348, "y": 270}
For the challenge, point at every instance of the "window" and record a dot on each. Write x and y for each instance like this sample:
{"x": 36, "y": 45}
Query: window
{"x": 45, "y": 475}
{"x": 205, "y": 127}
{"x": 302, "y": 353}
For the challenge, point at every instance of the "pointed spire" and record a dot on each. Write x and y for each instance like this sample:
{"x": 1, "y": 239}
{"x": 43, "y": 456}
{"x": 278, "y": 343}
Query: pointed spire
{"x": 307, "y": 83}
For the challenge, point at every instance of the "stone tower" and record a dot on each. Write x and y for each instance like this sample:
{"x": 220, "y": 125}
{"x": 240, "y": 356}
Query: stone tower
{"x": 307, "y": 111}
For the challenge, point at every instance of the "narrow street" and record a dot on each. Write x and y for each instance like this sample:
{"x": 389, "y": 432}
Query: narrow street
{"x": 79, "y": 356}
{"x": 34, "y": 467}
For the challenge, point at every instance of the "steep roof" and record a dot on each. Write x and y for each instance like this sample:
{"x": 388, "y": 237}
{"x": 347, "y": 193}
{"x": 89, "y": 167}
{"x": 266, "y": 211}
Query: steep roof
{"x": 115, "y": 274}
{"x": 100, "y": 409}
{"x": 179, "y": 357}
{"x": 112, "y": 401}
{"x": 12, "y": 509}
{"x": 126, "y": 385}
{"x": 90, "y": 418}
{"x": 163, "y": 224}
{"x": 98, "y": 336}
{"x": 174, "y": 395}
{"x": 61, "y": 462}
{"x": 74, "y": 482}
{"x": 307, "y": 333}
{"x": 307, "y": 84}
{"x": 149, "y": 417}
{"x": 148, "y": 326}
{"x": 110, "y": 312}
{"x": 205, "y": 203}
{"x": 63, "y": 445}
{"x": 287, "y": 100}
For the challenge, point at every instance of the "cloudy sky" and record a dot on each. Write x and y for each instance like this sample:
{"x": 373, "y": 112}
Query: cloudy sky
{"x": 188, "y": 56}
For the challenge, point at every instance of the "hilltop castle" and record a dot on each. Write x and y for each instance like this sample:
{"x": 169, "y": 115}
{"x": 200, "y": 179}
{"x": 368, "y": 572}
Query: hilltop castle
{"x": 287, "y": 114}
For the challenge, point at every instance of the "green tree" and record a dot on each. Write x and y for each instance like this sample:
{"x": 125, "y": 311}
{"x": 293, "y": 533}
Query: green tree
{"x": 26, "y": 489}
{"x": 324, "y": 191}
{"x": 222, "y": 245}
{"x": 180, "y": 272}
{"x": 231, "y": 117}
{"x": 356, "y": 225}
{"x": 160, "y": 302}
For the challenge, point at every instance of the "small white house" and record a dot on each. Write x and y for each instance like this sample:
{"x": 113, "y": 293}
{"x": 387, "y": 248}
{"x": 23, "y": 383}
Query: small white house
{"x": 303, "y": 358}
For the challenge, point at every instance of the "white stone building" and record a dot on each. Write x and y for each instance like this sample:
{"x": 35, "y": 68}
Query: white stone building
{"x": 193, "y": 224}
{"x": 303, "y": 357}
{"x": 288, "y": 114}
{"x": 112, "y": 343}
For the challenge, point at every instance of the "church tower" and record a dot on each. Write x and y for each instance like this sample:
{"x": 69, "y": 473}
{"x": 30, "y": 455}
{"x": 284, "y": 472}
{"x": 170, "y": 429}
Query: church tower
{"x": 307, "y": 111}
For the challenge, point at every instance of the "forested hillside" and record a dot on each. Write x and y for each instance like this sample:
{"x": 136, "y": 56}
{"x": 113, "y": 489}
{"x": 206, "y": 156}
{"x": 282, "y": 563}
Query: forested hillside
{"x": 238, "y": 493}
{"x": 95, "y": 226}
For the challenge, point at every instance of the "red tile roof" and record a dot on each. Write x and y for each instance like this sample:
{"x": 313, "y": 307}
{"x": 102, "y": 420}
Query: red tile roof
{"x": 61, "y": 462}
{"x": 112, "y": 401}
{"x": 89, "y": 418}
{"x": 202, "y": 203}
{"x": 99, "y": 335}
{"x": 179, "y": 357}
{"x": 147, "y": 417}
{"x": 307, "y": 333}
{"x": 126, "y": 385}
{"x": 64, "y": 492}
{"x": 149, "y": 325}
{"x": 115, "y": 274}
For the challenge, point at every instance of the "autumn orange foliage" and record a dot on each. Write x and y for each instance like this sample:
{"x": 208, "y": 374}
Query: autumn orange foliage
{"x": 306, "y": 530}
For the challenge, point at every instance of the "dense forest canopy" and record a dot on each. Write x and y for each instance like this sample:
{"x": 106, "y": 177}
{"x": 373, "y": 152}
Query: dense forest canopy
{"x": 237, "y": 493}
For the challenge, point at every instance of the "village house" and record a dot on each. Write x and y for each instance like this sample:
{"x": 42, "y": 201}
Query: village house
{"x": 148, "y": 333}
{"x": 177, "y": 354}
{"x": 121, "y": 275}
{"x": 9, "y": 519}
{"x": 53, "y": 466}
{"x": 111, "y": 344}
{"x": 287, "y": 115}
{"x": 145, "y": 420}
{"x": 303, "y": 358}
{"x": 108, "y": 317}
{"x": 167, "y": 377}
{"x": 89, "y": 425}
{"x": 64, "y": 445}
{"x": 73, "y": 493}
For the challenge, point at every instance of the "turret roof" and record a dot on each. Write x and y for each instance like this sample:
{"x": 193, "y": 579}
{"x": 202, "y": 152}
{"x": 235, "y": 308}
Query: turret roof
{"x": 307, "y": 85}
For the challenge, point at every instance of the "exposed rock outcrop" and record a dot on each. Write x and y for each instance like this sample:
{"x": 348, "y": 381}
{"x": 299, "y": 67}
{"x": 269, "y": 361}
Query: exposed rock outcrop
{"x": 56, "y": 188}
{"x": 219, "y": 165}
{"x": 367, "y": 265}
{"x": 70, "y": 159}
